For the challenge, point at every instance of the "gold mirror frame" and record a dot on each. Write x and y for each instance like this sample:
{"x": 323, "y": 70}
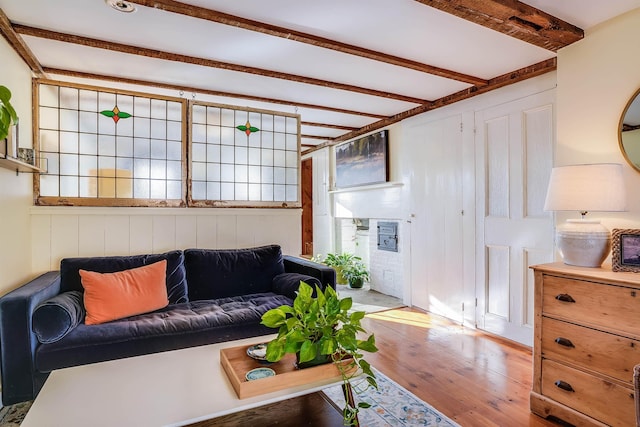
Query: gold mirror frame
{"x": 633, "y": 157}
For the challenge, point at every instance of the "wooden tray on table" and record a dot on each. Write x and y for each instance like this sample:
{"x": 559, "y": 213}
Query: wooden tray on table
{"x": 237, "y": 363}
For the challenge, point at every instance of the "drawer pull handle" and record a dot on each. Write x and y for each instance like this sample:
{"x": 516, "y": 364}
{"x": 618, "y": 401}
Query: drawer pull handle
{"x": 564, "y": 342}
{"x": 565, "y": 298}
{"x": 564, "y": 386}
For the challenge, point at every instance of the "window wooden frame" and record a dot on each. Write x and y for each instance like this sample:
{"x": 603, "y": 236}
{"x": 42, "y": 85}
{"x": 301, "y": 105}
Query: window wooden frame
{"x": 186, "y": 153}
{"x": 245, "y": 203}
{"x": 107, "y": 201}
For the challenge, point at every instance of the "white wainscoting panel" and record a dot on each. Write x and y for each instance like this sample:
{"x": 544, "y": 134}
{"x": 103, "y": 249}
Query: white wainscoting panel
{"x": 538, "y": 130}
{"x": 498, "y": 272}
{"x": 59, "y": 232}
{"x": 497, "y": 157}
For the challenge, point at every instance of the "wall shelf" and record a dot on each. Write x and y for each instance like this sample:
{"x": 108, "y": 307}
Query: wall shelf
{"x": 17, "y": 165}
{"x": 368, "y": 187}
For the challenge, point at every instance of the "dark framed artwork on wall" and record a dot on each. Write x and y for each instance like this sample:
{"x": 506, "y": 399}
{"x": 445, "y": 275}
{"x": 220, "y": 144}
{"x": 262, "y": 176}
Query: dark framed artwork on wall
{"x": 625, "y": 252}
{"x": 363, "y": 161}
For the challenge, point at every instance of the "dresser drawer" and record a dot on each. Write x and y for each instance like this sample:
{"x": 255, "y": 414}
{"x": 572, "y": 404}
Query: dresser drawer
{"x": 612, "y": 307}
{"x": 602, "y": 400}
{"x": 590, "y": 349}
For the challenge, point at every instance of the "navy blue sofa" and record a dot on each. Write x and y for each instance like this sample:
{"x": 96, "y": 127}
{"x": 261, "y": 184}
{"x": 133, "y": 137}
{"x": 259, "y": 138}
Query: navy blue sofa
{"x": 214, "y": 296}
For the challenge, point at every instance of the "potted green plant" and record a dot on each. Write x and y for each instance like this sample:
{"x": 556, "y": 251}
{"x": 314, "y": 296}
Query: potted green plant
{"x": 320, "y": 327}
{"x": 339, "y": 262}
{"x": 8, "y": 116}
{"x": 356, "y": 274}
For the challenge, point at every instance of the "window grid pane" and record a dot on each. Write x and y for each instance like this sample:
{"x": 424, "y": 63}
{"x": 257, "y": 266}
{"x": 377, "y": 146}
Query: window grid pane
{"x": 243, "y": 156}
{"x": 99, "y": 144}
{"x": 106, "y": 145}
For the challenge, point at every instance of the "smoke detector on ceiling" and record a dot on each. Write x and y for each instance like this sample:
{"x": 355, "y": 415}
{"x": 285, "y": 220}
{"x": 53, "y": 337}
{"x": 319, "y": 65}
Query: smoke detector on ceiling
{"x": 121, "y": 5}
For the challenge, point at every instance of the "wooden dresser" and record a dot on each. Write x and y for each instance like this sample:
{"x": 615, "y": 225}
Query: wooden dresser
{"x": 586, "y": 343}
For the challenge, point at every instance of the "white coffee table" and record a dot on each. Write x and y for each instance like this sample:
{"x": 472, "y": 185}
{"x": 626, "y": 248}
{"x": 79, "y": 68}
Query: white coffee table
{"x": 172, "y": 388}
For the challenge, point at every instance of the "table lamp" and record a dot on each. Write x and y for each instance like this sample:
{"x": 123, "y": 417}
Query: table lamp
{"x": 585, "y": 188}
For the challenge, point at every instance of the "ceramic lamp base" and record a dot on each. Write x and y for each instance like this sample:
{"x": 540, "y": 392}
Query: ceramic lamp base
{"x": 584, "y": 243}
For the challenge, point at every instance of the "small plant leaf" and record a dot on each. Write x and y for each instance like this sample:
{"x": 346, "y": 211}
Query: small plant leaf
{"x": 327, "y": 345}
{"x": 368, "y": 345}
{"x": 5, "y": 94}
{"x": 356, "y": 316}
{"x": 308, "y": 351}
{"x": 274, "y": 318}
{"x": 346, "y": 303}
{"x": 275, "y": 351}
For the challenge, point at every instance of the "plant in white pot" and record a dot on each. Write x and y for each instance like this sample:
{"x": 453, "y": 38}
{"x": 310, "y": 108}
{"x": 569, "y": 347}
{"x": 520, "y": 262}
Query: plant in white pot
{"x": 319, "y": 328}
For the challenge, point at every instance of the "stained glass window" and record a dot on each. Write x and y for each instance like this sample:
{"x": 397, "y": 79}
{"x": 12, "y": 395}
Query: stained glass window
{"x": 113, "y": 148}
{"x": 243, "y": 156}
{"x": 103, "y": 145}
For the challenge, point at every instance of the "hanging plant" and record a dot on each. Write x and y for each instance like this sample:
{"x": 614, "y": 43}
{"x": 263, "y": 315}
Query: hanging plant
{"x": 8, "y": 116}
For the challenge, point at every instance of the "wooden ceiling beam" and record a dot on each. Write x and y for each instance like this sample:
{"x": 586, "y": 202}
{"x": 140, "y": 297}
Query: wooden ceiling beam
{"x": 199, "y": 90}
{"x": 289, "y": 34}
{"x": 330, "y": 126}
{"x": 495, "y": 83}
{"x": 175, "y": 57}
{"x": 315, "y": 137}
{"x": 513, "y": 18}
{"x": 19, "y": 46}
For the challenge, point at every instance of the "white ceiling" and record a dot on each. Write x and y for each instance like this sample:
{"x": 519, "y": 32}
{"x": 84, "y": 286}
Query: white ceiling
{"x": 403, "y": 28}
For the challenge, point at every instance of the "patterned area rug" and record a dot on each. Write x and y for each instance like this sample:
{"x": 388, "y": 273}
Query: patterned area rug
{"x": 392, "y": 405}
{"x": 12, "y": 416}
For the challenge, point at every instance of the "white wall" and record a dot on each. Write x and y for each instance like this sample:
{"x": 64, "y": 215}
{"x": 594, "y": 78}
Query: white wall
{"x": 596, "y": 78}
{"x": 16, "y": 192}
{"x": 60, "y": 232}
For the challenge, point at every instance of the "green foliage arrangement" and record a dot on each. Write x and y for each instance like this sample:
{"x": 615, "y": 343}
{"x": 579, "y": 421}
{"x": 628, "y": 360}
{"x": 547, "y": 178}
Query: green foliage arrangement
{"x": 8, "y": 115}
{"x": 340, "y": 262}
{"x": 356, "y": 273}
{"x": 322, "y": 325}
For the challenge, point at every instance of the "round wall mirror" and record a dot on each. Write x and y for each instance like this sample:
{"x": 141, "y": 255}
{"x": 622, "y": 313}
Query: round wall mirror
{"x": 629, "y": 134}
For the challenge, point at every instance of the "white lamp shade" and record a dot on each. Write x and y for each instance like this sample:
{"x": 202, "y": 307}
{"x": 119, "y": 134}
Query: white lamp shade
{"x": 586, "y": 188}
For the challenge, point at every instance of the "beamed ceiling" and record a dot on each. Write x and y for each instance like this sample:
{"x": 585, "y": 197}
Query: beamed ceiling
{"x": 348, "y": 67}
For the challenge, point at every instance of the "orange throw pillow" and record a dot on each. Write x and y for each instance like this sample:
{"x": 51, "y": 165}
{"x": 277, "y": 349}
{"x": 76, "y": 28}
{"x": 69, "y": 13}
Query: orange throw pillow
{"x": 111, "y": 296}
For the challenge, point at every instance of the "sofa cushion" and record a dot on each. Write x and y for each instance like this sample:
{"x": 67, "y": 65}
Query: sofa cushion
{"x": 175, "y": 326}
{"x": 111, "y": 296}
{"x": 288, "y": 283}
{"x": 220, "y": 273}
{"x": 176, "y": 281}
{"x": 57, "y": 316}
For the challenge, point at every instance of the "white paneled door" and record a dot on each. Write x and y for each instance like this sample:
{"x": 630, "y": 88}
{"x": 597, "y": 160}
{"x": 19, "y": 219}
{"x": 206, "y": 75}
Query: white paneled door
{"x": 435, "y": 162}
{"x": 514, "y": 153}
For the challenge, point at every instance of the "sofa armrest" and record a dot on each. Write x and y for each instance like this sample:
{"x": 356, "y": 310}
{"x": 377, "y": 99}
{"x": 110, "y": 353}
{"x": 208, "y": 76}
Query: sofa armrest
{"x": 326, "y": 274}
{"x": 20, "y": 381}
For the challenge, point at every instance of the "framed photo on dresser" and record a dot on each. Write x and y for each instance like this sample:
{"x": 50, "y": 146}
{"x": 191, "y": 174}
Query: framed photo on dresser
{"x": 625, "y": 250}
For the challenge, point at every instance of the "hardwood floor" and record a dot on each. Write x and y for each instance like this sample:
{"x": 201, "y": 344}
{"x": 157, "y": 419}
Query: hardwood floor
{"x": 474, "y": 378}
